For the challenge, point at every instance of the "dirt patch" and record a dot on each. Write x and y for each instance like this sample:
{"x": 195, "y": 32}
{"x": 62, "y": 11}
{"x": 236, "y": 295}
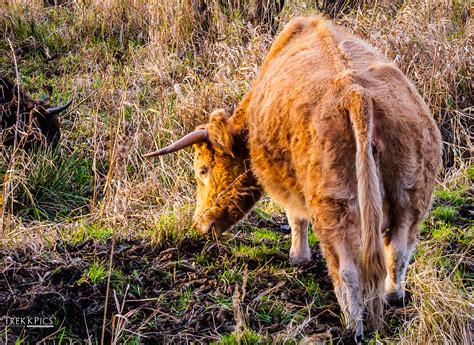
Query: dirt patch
{"x": 179, "y": 293}
{"x": 172, "y": 294}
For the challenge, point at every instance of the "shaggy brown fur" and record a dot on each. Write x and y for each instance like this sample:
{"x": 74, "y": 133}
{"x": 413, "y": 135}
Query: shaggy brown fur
{"x": 338, "y": 136}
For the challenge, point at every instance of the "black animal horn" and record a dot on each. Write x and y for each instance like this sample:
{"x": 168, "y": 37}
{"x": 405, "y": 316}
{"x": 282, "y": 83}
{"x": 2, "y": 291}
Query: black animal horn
{"x": 188, "y": 140}
{"x": 58, "y": 109}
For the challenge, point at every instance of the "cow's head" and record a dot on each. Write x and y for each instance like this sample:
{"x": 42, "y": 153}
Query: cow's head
{"x": 226, "y": 186}
{"x": 37, "y": 119}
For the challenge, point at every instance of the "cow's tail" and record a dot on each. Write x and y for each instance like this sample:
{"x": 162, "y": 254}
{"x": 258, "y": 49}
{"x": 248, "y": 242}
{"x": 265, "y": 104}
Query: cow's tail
{"x": 360, "y": 108}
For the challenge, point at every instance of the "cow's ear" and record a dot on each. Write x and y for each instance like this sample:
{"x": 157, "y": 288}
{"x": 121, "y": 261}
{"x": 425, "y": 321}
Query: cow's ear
{"x": 220, "y": 131}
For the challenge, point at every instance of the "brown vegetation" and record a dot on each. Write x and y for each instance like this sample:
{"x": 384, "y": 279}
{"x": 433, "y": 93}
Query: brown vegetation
{"x": 144, "y": 73}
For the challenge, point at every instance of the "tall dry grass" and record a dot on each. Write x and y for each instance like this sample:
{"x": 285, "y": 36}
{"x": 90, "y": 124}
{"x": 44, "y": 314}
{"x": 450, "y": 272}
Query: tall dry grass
{"x": 146, "y": 72}
{"x": 143, "y": 73}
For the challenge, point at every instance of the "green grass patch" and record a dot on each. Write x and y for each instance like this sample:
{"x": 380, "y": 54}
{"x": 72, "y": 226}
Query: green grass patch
{"x": 222, "y": 300}
{"x": 445, "y": 213}
{"x": 451, "y": 197}
{"x": 310, "y": 285}
{"x": 442, "y": 232}
{"x": 256, "y": 252}
{"x": 313, "y": 290}
{"x": 312, "y": 239}
{"x": 470, "y": 173}
{"x": 134, "y": 278}
{"x": 169, "y": 228}
{"x": 248, "y": 337}
{"x": 262, "y": 213}
{"x": 270, "y": 310}
{"x": 201, "y": 258}
{"x": 261, "y": 233}
{"x": 230, "y": 276}
{"x": 92, "y": 231}
{"x": 95, "y": 274}
{"x": 50, "y": 185}
{"x": 42, "y": 35}
{"x": 182, "y": 302}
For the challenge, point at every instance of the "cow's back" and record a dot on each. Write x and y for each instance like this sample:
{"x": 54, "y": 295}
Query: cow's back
{"x": 300, "y": 135}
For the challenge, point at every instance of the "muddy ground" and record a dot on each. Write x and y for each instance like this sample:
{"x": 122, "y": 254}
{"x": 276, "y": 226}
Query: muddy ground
{"x": 174, "y": 294}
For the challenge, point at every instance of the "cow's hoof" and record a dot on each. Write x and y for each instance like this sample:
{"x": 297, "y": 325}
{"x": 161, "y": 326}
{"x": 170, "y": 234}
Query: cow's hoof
{"x": 359, "y": 332}
{"x": 300, "y": 260}
{"x": 396, "y": 299}
{"x": 359, "y": 339}
{"x": 344, "y": 336}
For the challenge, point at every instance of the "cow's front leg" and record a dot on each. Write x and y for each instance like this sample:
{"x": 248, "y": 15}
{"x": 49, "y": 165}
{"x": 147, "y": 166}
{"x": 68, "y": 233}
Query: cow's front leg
{"x": 300, "y": 253}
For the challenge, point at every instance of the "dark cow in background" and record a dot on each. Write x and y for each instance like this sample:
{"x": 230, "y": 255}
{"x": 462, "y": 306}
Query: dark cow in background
{"x": 37, "y": 120}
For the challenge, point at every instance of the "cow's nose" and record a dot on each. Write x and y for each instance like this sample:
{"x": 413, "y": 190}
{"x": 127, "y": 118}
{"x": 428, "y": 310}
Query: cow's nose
{"x": 205, "y": 227}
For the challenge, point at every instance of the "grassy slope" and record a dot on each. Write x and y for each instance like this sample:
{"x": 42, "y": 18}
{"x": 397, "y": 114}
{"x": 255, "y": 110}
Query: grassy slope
{"x": 142, "y": 75}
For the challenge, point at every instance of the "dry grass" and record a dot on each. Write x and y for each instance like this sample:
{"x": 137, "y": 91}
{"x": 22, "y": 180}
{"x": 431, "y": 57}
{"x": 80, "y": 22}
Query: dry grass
{"x": 441, "y": 310}
{"x": 143, "y": 73}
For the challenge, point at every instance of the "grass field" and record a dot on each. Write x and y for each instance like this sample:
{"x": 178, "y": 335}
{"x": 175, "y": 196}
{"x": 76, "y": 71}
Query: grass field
{"x": 101, "y": 240}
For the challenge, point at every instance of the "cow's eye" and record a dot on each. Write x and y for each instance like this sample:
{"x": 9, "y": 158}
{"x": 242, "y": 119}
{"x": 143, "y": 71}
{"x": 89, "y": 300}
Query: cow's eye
{"x": 203, "y": 171}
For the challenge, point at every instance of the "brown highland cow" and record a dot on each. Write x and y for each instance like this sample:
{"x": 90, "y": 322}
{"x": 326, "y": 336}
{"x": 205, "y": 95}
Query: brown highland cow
{"x": 338, "y": 136}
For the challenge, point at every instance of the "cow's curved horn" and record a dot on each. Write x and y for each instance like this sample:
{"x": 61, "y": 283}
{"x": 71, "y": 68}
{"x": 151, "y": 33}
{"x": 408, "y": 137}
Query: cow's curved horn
{"x": 188, "y": 140}
{"x": 58, "y": 109}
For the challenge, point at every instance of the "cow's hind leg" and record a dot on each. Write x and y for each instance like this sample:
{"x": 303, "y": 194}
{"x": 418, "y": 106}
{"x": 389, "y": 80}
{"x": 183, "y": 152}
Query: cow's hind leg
{"x": 340, "y": 241}
{"x": 300, "y": 252}
{"x": 348, "y": 289}
{"x": 400, "y": 241}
